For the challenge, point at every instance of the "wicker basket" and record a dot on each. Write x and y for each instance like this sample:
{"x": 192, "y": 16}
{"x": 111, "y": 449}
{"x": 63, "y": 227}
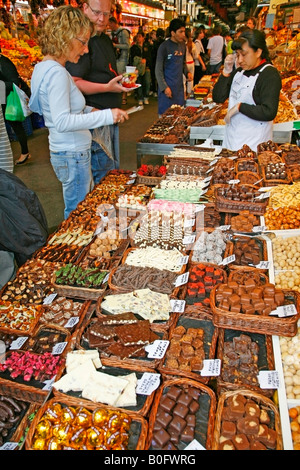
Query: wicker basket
{"x": 230, "y": 248}
{"x": 275, "y": 182}
{"x": 228, "y": 218}
{"x": 268, "y": 325}
{"x": 138, "y": 364}
{"x": 271, "y": 157}
{"x": 137, "y": 433}
{"x": 205, "y": 416}
{"x": 161, "y": 324}
{"x": 241, "y": 274}
{"x": 31, "y": 392}
{"x": 18, "y": 429}
{"x": 250, "y": 162}
{"x": 120, "y": 289}
{"x": 265, "y": 361}
{"x": 256, "y": 207}
{"x": 83, "y": 293}
{"x": 182, "y": 270}
{"x": 31, "y": 327}
{"x": 82, "y": 314}
{"x": 209, "y": 344}
{"x": 250, "y": 177}
{"x": 144, "y": 402}
{"x": 261, "y": 400}
{"x": 196, "y": 310}
{"x": 64, "y": 336}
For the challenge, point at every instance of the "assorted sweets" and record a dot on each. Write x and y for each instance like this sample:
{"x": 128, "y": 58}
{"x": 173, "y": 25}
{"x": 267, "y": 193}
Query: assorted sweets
{"x": 65, "y": 427}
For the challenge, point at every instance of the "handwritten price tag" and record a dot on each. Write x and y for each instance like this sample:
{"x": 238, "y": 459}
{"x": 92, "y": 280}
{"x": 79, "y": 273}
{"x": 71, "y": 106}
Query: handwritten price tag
{"x": 58, "y": 348}
{"x": 189, "y": 239}
{"x": 211, "y": 367}
{"x": 177, "y": 306}
{"x": 182, "y": 279}
{"x": 157, "y": 349}
{"x": 268, "y": 379}
{"x": 194, "y": 445}
{"x": 285, "y": 311}
{"x": 228, "y": 260}
{"x": 49, "y": 299}
{"x": 147, "y": 383}
{"x": 18, "y": 343}
{"x": 71, "y": 322}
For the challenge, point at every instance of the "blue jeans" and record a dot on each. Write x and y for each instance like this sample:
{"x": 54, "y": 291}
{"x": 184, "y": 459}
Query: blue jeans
{"x": 101, "y": 162}
{"x": 73, "y": 170}
{"x": 214, "y": 68}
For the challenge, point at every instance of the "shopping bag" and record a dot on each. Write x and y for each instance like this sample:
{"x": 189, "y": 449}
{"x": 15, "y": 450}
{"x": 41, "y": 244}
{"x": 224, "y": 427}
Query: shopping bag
{"x": 14, "y": 111}
{"x": 24, "y": 99}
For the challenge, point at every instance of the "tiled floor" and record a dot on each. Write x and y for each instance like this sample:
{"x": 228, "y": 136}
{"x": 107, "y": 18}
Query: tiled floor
{"x": 39, "y": 176}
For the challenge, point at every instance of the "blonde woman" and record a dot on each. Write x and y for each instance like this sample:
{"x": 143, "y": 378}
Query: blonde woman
{"x": 65, "y": 37}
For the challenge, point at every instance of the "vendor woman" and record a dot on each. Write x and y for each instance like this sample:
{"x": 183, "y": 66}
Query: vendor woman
{"x": 253, "y": 89}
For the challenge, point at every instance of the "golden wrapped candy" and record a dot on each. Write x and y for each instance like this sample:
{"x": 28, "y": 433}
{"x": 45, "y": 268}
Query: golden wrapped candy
{"x": 100, "y": 417}
{"x": 44, "y": 429}
{"x": 83, "y": 418}
{"x": 39, "y": 444}
{"x": 68, "y": 415}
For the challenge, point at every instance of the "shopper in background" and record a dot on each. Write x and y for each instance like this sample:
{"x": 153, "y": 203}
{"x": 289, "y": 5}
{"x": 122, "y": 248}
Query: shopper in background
{"x": 6, "y": 155}
{"x": 55, "y": 96}
{"x": 9, "y": 75}
{"x": 170, "y": 65}
{"x": 160, "y": 37}
{"x": 200, "y": 66}
{"x": 140, "y": 57}
{"x": 121, "y": 42}
{"x": 191, "y": 56}
{"x": 253, "y": 90}
{"x": 215, "y": 50}
{"x": 97, "y": 78}
{"x": 251, "y": 22}
{"x": 151, "y": 41}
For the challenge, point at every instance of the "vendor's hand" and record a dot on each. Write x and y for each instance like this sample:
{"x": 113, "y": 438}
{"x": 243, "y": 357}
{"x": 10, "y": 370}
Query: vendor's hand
{"x": 119, "y": 115}
{"x": 228, "y": 64}
{"x": 189, "y": 77}
{"x": 232, "y": 111}
{"x": 168, "y": 92}
{"x": 114, "y": 85}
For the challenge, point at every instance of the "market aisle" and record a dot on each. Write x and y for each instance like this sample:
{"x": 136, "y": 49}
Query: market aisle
{"x": 39, "y": 176}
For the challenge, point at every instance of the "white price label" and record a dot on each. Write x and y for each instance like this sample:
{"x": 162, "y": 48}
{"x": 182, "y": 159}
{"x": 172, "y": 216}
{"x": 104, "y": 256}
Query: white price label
{"x": 194, "y": 445}
{"x": 263, "y": 195}
{"x": 285, "y": 311}
{"x": 203, "y": 192}
{"x": 214, "y": 161}
{"x": 189, "y": 239}
{"x": 71, "y": 322}
{"x": 207, "y": 179}
{"x": 177, "y": 306}
{"x": 259, "y": 228}
{"x": 58, "y": 348}
{"x": 228, "y": 260}
{"x": 189, "y": 223}
{"x": 211, "y": 368}
{"x": 105, "y": 279}
{"x": 263, "y": 265}
{"x": 182, "y": 279}
{"x": 224, "y": 227}
{"x": 49, "y": 383}
{"x": 268, "y": 379}
{"x": 130, "y": 181}
{"x": 133, "y": 175}
{"x": 49, "y": 299}
{"x": 9, "y": 446}
{"x": 183, "y": 260}
{"x": 157, "y": 349}
{"x": 147, "y": 383}
{"x": 18, "y": 343}
{"x": 233, "y": 181}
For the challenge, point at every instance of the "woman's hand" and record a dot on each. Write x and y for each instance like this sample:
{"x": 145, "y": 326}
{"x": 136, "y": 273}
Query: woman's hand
{"x": 168, "y": 92}
{"x": 114, "y": 86}
{"x": 119, "y": 115}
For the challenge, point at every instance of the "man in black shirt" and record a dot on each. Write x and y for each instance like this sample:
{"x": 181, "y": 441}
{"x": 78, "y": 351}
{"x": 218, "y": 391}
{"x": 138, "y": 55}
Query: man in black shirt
{"x": 96, "y": 76}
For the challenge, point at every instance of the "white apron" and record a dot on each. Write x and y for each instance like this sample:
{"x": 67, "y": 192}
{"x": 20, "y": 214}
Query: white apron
{"x": 242, "y": 129}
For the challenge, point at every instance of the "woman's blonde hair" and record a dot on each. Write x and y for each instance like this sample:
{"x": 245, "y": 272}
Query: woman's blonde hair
{"x": 62, "y": 25}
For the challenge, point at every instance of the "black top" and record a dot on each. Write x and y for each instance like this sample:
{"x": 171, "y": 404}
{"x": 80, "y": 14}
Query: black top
{"x": 265, "y": 93}
{"x": 9, "y": 74}
{"x": 94, "y": 67}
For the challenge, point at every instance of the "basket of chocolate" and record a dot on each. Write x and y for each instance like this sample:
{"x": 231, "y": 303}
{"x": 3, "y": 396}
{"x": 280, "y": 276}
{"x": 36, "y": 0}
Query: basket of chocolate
{"x": 237, "y": 197}
{"x": 183, "y": 411}
{"x": 76, "y": 282}
{"x": 268, "y": 157}
{"x": 191, "y": 341}
{"x": 244, "y": 222}
{"x": 258, "y": 309}
{"x": 66, "y": 425}
{"x": 276, "y": 173}
{"x": 249, "y": 177}
{"x": 86, "y": 379}
{"x": 150, "y": 175}
{"x": 246, "y": 164}
{"x": 16, "y": 318}
{"x": 15, "y": 419}
{"x": 145, "y": 304}
{"x": 202, "y": 278}
{"x": 122, "y": 340}
{"x": 246, "y": 420}
{"x": 155, "y": 257}
{"x": 243, "y": 356}
{"x": 248, "y": 252}
{"x": 240, "y": 275}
